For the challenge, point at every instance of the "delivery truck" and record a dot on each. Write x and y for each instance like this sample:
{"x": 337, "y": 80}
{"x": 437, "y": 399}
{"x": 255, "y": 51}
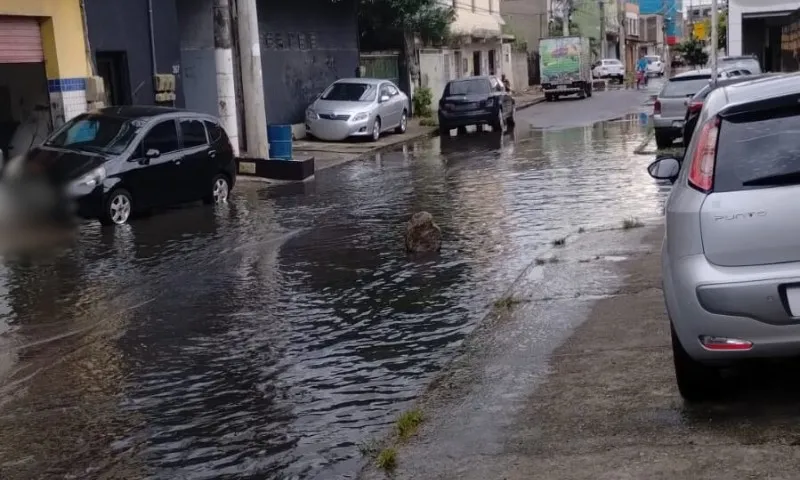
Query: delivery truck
{"x": 565, "y": 64}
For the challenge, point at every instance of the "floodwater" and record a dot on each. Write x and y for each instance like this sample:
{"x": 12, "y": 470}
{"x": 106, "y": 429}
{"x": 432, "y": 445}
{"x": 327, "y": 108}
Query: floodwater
{"x": 270, "y": 337}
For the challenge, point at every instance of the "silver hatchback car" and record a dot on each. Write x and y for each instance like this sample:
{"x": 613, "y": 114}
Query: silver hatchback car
{"x": 731, "y": 254}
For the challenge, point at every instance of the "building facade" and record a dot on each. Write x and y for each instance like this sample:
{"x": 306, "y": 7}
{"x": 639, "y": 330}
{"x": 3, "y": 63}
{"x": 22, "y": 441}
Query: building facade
{"x": 672, "y": 13}
{"x": 125, "y": 52}
{"x": 764, "y": 28}
{"x": 43, "y": 69}
{"x": 527, "y": 20}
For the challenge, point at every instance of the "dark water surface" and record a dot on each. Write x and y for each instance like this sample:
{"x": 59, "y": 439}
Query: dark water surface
{"x": 267, "y": 339}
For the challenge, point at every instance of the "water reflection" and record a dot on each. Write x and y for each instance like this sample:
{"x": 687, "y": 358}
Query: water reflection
{"x": 269, "y": 337}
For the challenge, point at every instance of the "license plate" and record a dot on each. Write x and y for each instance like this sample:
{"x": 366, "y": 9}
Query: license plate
{"x": 677, "y": 124}
{"x": 562, "y": 87}
{"x": 464, "y": 106}
{"x": 793, "y": 299}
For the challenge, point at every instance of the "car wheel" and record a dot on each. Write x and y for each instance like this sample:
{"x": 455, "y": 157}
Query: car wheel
{"x": 403, "y": 123}
{"x": 118, "y": 208}
{"x": 696, "y": 382}
{"x": 376, "y": 130}
{"x": 220, "y": 191}
{"x": 663, "y": 140}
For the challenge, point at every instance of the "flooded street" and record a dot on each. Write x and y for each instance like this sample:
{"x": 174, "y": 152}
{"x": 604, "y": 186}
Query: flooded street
{"x": 271, "y": 337}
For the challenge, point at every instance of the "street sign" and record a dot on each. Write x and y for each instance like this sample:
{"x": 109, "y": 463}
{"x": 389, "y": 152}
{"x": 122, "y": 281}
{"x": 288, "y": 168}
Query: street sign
{"x": 699, "y": 31}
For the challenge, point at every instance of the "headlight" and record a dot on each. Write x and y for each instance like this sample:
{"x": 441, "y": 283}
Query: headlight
{"x": 311, "y": 114}
{"x": 360, "y": 116}
{"x": 490, "y": 102}
{"x": 88, "y": 182}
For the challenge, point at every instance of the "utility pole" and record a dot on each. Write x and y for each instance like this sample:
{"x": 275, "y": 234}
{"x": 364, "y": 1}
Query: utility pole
{"x": 714, "y": 19}
{"x": 566, "y": 13}
{"x": 603, "y": 39}
{"x": 255, "y": 115}
{"x": 623, "y": 34}
{"x": 223, "y": 58}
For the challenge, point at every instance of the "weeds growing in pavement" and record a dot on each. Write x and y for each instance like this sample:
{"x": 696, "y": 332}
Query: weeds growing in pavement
{"x": 387, "y": 459}
{"x": 560, "y": 242}
{"x": 631, "y": 222}
{"x": 507, "y": 303}
{"x": 408, "y": 423}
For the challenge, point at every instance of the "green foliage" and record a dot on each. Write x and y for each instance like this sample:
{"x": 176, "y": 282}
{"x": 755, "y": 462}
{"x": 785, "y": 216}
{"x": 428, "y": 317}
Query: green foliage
{"x": 692, "y": 51}
{"x": 555, "y": 29}
{"x": 429, "y": 19}
{"x": 722, "y": 29}
{"x": 423, "y": 98}
{"x": 387, "y": 459}
{"x": 408, "y": 423}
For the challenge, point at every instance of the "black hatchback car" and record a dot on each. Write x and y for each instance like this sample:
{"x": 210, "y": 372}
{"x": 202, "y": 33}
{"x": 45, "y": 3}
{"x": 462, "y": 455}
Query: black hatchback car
{"x": 479, "y": 100}
{"x": 120, "y": 160}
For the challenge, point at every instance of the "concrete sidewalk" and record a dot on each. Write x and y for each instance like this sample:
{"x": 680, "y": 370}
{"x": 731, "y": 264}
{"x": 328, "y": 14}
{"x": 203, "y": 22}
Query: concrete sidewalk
{"x": 576, "y": 382}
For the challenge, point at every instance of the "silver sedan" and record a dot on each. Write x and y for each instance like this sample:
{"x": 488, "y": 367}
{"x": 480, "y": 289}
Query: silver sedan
{"x": 358, "y": 107}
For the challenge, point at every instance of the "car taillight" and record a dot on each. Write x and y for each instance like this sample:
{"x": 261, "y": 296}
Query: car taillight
{"x": 695, "y": 107}
{"x": 657, "y": 108}
{"x": 701, "y": 172}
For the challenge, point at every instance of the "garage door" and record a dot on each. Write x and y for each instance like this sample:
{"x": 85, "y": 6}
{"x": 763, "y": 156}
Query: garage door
{"x": 20, "y": 40}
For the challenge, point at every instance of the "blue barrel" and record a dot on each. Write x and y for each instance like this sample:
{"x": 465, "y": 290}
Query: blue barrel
{"x": 280, "y": 141}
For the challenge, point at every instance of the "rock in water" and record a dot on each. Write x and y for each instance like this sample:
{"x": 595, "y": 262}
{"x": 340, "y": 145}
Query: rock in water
{"x": 422, "y": 234}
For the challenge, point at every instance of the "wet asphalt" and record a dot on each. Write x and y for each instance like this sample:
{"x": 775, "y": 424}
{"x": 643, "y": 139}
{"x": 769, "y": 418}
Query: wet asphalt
{"x": 272, "y": 336}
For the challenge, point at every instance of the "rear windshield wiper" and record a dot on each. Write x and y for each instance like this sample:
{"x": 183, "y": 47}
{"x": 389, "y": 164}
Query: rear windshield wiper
{"x": 789, "y": 178}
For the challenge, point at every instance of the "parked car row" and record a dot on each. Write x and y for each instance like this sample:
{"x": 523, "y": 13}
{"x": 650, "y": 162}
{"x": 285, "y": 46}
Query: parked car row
{"x": 731, "y": 255}
{"x": 674, "y": 102}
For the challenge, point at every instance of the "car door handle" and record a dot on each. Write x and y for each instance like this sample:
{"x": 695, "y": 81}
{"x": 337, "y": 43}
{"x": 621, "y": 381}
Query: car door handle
{"x": 212, "y": 153}
{"x": 178, "y": 161}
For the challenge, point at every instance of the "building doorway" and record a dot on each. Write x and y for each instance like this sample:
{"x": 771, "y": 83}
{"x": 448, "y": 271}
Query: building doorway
{"x": 476, "y": 63}
{"x": 25, "y": 116}
{"x": 492, "y": 63}
{"x": 112, "y": 67}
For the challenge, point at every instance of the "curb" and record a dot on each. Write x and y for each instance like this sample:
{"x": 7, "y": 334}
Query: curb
{"x": 530, "y": 103}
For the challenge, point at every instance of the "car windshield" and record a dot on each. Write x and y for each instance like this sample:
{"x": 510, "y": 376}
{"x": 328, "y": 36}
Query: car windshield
{"x": 475, "y": 86}
{"x": 684, "y": 87}
{"x": 350, "y": 92}
{"x": 95, "y": 133}
{"x": 750, "y": 64}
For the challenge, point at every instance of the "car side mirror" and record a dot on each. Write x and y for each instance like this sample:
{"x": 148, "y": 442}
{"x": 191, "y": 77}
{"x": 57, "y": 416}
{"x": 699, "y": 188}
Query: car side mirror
{"x": 152, "y": 153}
{"x": 665, "y": 168}
{"x": 384, "y": 98}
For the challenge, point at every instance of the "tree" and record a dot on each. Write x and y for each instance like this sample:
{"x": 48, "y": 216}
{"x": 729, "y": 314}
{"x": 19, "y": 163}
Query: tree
{"x": 692, "y": 51}
{"x": 556, "y": 30}
{"x": 383, "y": 19}
{"x": 722, "y": 30}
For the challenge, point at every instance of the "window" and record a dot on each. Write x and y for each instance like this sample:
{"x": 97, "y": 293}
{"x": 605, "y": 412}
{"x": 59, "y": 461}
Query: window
{"x": 193, "y": 133}
{"x": 683, "y": 87}
{"x": 350, "y": 92}
{"x": 215, "y": 132}
{"x": 755, "y": 145}
{"x": 163, "y": 137}
{"x": 477, "y": 86}
{"x": 95, "y": 133}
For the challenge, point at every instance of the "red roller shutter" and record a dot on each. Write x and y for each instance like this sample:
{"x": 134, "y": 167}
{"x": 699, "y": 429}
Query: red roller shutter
{"x": 20, "y": 40}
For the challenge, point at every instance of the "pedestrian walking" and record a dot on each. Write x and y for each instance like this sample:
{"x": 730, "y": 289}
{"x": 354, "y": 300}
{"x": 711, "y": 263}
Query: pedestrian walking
{"x": 641, "y": 72}
{"x": 506, "y": 82}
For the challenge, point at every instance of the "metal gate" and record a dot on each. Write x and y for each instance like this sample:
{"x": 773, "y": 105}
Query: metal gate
{"x": 383, "y": 65}
{"x": 20, "y": 40}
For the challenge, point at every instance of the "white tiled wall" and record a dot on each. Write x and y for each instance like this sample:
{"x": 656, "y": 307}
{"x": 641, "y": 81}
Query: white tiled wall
{"x": 74, "y": 103}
